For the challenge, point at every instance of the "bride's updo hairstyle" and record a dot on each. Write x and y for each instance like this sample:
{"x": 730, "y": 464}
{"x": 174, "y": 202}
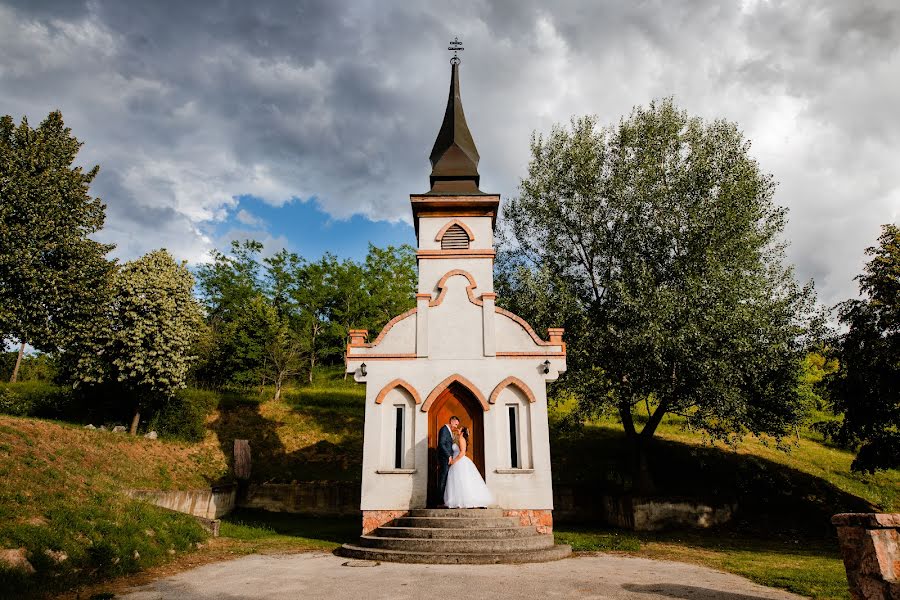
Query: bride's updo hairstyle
{"x": 465, "y": 433}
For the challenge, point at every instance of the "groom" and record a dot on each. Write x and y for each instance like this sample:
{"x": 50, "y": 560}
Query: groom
{"x": 444, "y": 455}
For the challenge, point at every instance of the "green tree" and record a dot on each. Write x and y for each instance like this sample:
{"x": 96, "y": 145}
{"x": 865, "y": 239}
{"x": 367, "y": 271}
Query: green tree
{"x": 866, "y": 387}
{"x": 151, "y": 324}
{"x": 313, "y": 295}
{"x": 229, "y": 281}
{"x": 662, "y": 233}
{"x": 52, "y": 275}
{"x": 390, "y": 279}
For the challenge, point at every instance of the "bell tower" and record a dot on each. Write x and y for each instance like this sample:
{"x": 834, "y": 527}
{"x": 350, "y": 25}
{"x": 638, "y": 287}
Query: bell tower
{"x": 454, "y": 222}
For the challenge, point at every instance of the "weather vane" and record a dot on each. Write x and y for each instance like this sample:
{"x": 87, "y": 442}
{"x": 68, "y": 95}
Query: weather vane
{"x": 456, "y": 47}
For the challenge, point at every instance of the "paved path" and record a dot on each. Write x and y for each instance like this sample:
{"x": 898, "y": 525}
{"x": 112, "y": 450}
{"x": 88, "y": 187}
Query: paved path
{"x": 325, "y": 576}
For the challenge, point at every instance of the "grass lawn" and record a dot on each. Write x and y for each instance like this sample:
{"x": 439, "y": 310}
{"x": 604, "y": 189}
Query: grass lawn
{"x": 61, "y": 497}
{"x": 61, "y": 491}
{"x": 807, "y": 567}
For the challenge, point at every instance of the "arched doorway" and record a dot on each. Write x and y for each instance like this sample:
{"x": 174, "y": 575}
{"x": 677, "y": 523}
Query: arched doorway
{"x": 455, "y": 400}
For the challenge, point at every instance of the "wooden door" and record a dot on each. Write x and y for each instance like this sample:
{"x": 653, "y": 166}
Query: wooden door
{"x": 459, "y": 401}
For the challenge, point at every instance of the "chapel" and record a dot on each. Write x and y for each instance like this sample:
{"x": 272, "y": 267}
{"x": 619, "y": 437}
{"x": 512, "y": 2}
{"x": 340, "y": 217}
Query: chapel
{"x": 456, "y": 353}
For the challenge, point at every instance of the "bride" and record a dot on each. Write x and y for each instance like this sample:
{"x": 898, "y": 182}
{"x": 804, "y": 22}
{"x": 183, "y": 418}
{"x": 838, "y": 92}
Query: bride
{"x": 465, "y": 487}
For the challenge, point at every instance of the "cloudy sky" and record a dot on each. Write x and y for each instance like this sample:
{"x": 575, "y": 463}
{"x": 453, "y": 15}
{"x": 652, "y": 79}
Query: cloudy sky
{"x": 307, "y": 124}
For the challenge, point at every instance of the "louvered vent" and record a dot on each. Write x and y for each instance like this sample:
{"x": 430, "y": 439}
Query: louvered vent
{"x": 455, "y": 238}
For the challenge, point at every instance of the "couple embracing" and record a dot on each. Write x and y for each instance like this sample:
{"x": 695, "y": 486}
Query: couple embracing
{"x": 459, "y": 483}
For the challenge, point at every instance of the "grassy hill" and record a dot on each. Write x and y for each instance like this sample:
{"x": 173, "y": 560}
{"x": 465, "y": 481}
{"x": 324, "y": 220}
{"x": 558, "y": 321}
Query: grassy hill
{"x": 61, "y": 496}
{"x": 62, "y": 487}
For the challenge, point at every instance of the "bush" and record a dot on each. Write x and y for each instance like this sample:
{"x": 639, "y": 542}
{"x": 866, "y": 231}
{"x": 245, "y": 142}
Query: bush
{"x": 35, "y": 399}
{"x": 184, "y": 416}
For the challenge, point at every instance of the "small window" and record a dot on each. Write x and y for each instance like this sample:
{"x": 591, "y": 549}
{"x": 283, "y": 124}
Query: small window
{"x": 455, "y": 238}
{"x": 514, "y": 462}
{"x": 398, "y": 439}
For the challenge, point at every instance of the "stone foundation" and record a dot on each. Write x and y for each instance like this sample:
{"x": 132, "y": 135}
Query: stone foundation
{"x": 870, "y": 545}
{"x": 541, "y": 519}
{"x": 373, "y": 519}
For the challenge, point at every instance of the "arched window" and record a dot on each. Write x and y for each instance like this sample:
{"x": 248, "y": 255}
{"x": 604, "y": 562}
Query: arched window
{"x": 398, "y": 421}
{"x": 455, "y": 238}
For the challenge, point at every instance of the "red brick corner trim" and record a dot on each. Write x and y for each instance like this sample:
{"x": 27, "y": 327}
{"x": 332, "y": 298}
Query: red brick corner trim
{"x": 508, "y": 382}
{"x": 456, "y": 378}
{"x": 401, "y": 384}
{"x": 450, "y": 224}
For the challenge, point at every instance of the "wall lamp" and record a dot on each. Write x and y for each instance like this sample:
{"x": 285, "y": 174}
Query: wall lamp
{"x": 546, "y": 367}
{"x": 362, "y": 369}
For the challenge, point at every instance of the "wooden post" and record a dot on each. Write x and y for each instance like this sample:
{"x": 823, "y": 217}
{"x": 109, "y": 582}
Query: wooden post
{"x": 242, "y": 459}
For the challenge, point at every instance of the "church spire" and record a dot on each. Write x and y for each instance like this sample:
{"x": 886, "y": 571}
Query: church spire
{"x": 454, "y": 157}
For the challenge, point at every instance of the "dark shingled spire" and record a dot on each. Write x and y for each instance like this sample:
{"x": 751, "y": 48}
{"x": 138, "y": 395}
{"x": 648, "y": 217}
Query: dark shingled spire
{"x": 454, "y": 158}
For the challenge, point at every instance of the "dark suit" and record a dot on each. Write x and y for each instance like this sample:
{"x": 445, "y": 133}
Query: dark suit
{"x": 444, "y": 452}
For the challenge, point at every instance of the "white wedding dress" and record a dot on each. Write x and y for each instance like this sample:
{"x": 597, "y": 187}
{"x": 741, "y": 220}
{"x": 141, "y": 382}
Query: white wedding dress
{"x": 465, "y": 487}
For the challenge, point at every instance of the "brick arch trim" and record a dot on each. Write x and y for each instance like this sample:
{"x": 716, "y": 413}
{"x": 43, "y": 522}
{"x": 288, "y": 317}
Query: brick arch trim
{"x": 442, "y": 287}
{"x": 463, "y": 226}
{"x": 456, "y": 378}
{"x": 398, "y": 383}
{"x": 508, "y": 382}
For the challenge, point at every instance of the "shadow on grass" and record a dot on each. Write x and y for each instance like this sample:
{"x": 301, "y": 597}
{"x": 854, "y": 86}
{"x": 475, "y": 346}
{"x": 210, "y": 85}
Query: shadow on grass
{"x": 331, "y": 408}
{"x": 770, "y": 497}
{"x": 248, "y": 524}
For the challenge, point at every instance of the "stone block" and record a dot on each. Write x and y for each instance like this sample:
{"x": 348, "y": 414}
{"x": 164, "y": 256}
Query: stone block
{"x": 870, "y": 547}
{"x": 16, "y": 559}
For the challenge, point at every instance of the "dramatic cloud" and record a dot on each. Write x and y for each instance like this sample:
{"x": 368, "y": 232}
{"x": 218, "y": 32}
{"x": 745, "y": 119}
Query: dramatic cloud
{"x": 189, "y": 105}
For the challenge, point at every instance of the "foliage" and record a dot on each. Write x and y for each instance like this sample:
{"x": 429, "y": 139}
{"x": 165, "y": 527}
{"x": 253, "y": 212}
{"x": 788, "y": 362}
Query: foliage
{"x": 184, "y": 416}
{"x": 52, "y": 274}
{"x": 659, "y": 241}
{"x": 34, "y": 398}
{"x": 144, "y": 342}
{"x": 816, "y": 367}
{"x": 278, "y": 317}
{"x": 37, "y": 366}
{"x": 866, "y": 388}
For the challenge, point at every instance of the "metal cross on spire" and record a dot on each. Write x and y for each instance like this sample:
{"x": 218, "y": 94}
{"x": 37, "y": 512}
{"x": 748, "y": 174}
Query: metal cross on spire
{"x": 456, "y": 47}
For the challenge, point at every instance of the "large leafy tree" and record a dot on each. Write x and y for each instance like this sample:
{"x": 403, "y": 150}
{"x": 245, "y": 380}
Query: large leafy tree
{"x": 866, "y": 388}
{"x": 145, "y": 339}
{"x": 659, "y": 240}
{"x": 52, "y": 275}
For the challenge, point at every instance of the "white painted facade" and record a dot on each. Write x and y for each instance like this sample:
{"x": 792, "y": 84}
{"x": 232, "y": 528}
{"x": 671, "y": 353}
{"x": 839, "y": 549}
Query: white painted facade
{"x": 455, "y": 329}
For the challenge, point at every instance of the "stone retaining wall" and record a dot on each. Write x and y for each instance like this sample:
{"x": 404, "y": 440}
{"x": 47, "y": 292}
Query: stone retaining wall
{"x": 312, "y": 498}
{"x": 210, "y": 503}
{"x": 576, "y": 504}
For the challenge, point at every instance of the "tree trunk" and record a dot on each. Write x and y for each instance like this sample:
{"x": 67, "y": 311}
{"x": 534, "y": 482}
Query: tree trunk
{"x": 278, "y": 382}
{"x": 641, "y": 477}
{"x": 312, "y": 365}
{"x": 638, "y": 443}
{"x": 15, "y": 373}
{"x": 134, "y": 422}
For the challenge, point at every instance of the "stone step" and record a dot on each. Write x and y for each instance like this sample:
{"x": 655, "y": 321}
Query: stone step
{"x": 451, "y": 558}
{"x": 470, "y": 546}
{"x": 449, "y": 533}
{"x": 456, "y": 522}
{"x": 456, "y": 512}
